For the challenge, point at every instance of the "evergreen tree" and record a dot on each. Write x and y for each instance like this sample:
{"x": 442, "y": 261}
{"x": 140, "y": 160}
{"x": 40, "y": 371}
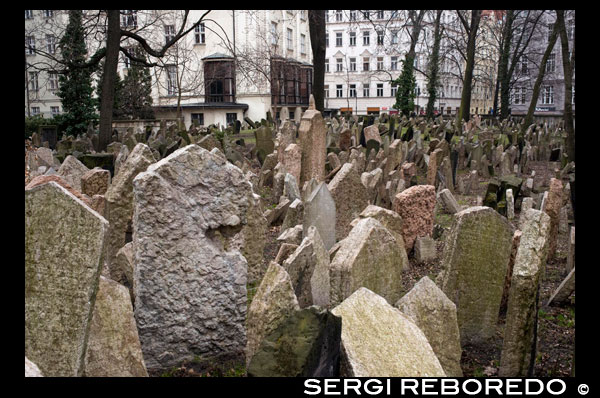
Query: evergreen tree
{"x": 136, "y": 94}
{"x": 406, "y": 83}
{"x": 76, "y": 83}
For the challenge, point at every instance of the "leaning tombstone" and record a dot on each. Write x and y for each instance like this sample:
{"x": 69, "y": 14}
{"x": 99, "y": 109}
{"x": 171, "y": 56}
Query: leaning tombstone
{"x": 64, "y": 246}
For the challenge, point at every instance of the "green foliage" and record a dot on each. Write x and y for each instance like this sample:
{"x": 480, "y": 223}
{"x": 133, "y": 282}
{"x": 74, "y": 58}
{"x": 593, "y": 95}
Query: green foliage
{"x": 75, "y": 89}
{"x": 32, "y": 124}
{"x": 406, "y": 83}
{"x": 137, "y": 89}
{"x": 117, "y": 99}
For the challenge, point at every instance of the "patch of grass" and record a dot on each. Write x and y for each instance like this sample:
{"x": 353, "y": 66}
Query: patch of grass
{"x": 565, "y": 322}
{"x": 170, "y": 372}
{"x": 478, "y": 372}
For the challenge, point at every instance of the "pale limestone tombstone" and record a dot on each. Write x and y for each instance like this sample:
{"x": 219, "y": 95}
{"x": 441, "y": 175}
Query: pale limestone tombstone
{"x": 64, "y": 246}
{"x": 350, "y": 196}
{"x": 320, "y": 211}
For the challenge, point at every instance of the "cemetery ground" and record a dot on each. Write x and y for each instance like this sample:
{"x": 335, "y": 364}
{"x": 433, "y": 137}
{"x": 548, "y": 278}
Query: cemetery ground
{"x": 273, "y": 183}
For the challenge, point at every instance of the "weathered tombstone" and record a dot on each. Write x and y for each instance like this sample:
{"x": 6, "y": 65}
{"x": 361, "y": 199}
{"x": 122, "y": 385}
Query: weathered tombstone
{"x": 306, "y": 344}
{"x": 187, "y": 209}
{"x": 64, "y": 246}
{"x": 425, "y": 249}
{"x": 119, "y": 200}
{"x": 264, "y": 141}
{"x": 447, "y": 200}
{"x": 522, "y": 300}
{"x": 253, "y": 238}
{"x": 510, "y": 204}
{"x": 379, "y": 341}
{"x": 312, "y": 133}
{"x": 571, "y": 252}
{"x": 435, "y": 314}
{"x": 113, "y": 348}
{"x": 368, "y": 257}
{"x": 350, "y": 197}
{"x": 564, "y": 290}
{"x": 308, "y": 268}
{"x": 474, "y": 263}
{"x": 434, "y": 162}
{"x": 552, "y": 208}
{"x": 416, "y": 206}
{"x": 95, "y": 182}
{"x": 273, "y": 302}
{"x": 72, "y": 170}
{"x": 320, "y": 211}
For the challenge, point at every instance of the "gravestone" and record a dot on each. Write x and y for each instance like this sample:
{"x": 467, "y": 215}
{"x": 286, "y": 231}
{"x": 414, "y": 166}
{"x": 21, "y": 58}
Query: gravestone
{"x": 435, "y": 314}
{"x": 312, "y": 134}
{"x": 368, "y": 257}
{"x": 350, "y": 197}
{"x": 71, "y": 170}
{"x": 564, "y": 290}
{"x": 474, "y": 262}
{"x": 64, "y": 246}
{"x": 416, "y": 206}
{"x": 190, "y": 294}
{"x": 552, "y": 208}
{"x": 95, "y": 182}
{"x": 522, "y": 309}
{"x": 379, "y": 341}
{"x": 320, "y": 211}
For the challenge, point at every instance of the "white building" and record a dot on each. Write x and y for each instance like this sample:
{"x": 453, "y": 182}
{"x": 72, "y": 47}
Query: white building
{"x": 221, "y": 71}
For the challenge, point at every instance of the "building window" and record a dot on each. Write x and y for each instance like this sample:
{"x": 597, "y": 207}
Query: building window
{"x": 33, "y": 81}
{"x": 379, "y": 63}
{"x": 338, "y": 91}
{"x": 548, "y": 95}
{"x": 394, "y": 64}
{"x": 326, "y": 15}
{"x": 290, "y": 39}
{"x": 393, "y": 91}
{"x": 338, "y": 64}
{"x": 550, "y": 64}
{"x": 28, "y": 14}
{"x": 380, "y": 14}
{"x": 303, "y": 15}
{"x": 128, "y": 18}
{"x": 353, "y": 90}
{"x": 338, "y": 39}
{"x": 326, "y": 90}
{"x": 366, "y": 39}
{"x": 327, "y": 65}
{"x": 352, "y": 64}
{"x": 53, "y": 81}
{"x": 169, "y": 33}
{"x": 274, "y": 33}
{"x": 394, "y": 37}
{"x": 550, "y": 28}
{"x": 524, "y": 64}
{"x": 570, "y": 29}
{"x": 29, "y": 45}
{"x": 50, "y": 44}
{"x": 352, "y": 39}
{"x": 523, "y": 94}
{"x": 338, "y": 15}
{"x": 198, "y": 118}
{"x": 380, "y": 37}
{"x": 171, "y": 80}
{"x": 327, "y": 39}
{"x": 380, "y": 89}
{"x": 35, "y": 110}
{"x": 48, "y": 13}
{"x": 231, "y": 118}
{"x": 365, "y": 15}
{"x": 200, "y": 34}
{"x": 302, "y": 44}
{"x": 366, "y": 87}
{"x": 54, "y": 110}
{"x": 353, "y": 15}
{"x": 394, "y": 14}
{"x": 366, "y": 62}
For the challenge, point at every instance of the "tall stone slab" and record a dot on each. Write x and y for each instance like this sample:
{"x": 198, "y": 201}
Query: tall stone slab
{"x": 64, "y": 246}
{"x": 190, "y": 283}
{"x": 416, "y": 206}
{"x": 287, "y": 136}
{"x": 350, "y": 196}
{"x": 71, "y": 170}
{"x": 529, "y": 265}
{"x": 114, "y": 348}
{"x": 435, "y": 314}
{"x": 475, "y": 262}
{"x": 253, "y": 238}
{"x": 119, "y": 200}
{"x": 292, "y": 161}
{"x": 552, "y": 207}
{"x": 95, "y": 182}
{"x": 434, "y": 162}
{"x": 273, "y": 302}
{"x": 320, "y": 212}
{"x": 308, "y": 269}
{"x": 312, "y": 136}
{"x": 368, "y": 257}
{"x": 379, "y": 341}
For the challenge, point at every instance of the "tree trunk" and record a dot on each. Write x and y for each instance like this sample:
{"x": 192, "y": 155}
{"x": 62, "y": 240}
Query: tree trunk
{"x": 465, "y": 102}
{"x": 568, "y": 76}
{"x": 503, "y": 76}
{"x": 108, "y": 82}
{"x": 538, "y": 81}
{"x": 434, "y": 66}
{"x": 316, "y": 23}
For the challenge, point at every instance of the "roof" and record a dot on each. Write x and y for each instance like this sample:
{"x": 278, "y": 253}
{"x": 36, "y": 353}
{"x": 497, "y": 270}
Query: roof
{"x": 206, "y": 105}
{"x": 217, "y": 56}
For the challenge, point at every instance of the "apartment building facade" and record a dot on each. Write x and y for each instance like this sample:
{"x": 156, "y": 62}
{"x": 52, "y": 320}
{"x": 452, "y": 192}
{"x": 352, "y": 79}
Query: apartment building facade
{"x": 236, "y": 63}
